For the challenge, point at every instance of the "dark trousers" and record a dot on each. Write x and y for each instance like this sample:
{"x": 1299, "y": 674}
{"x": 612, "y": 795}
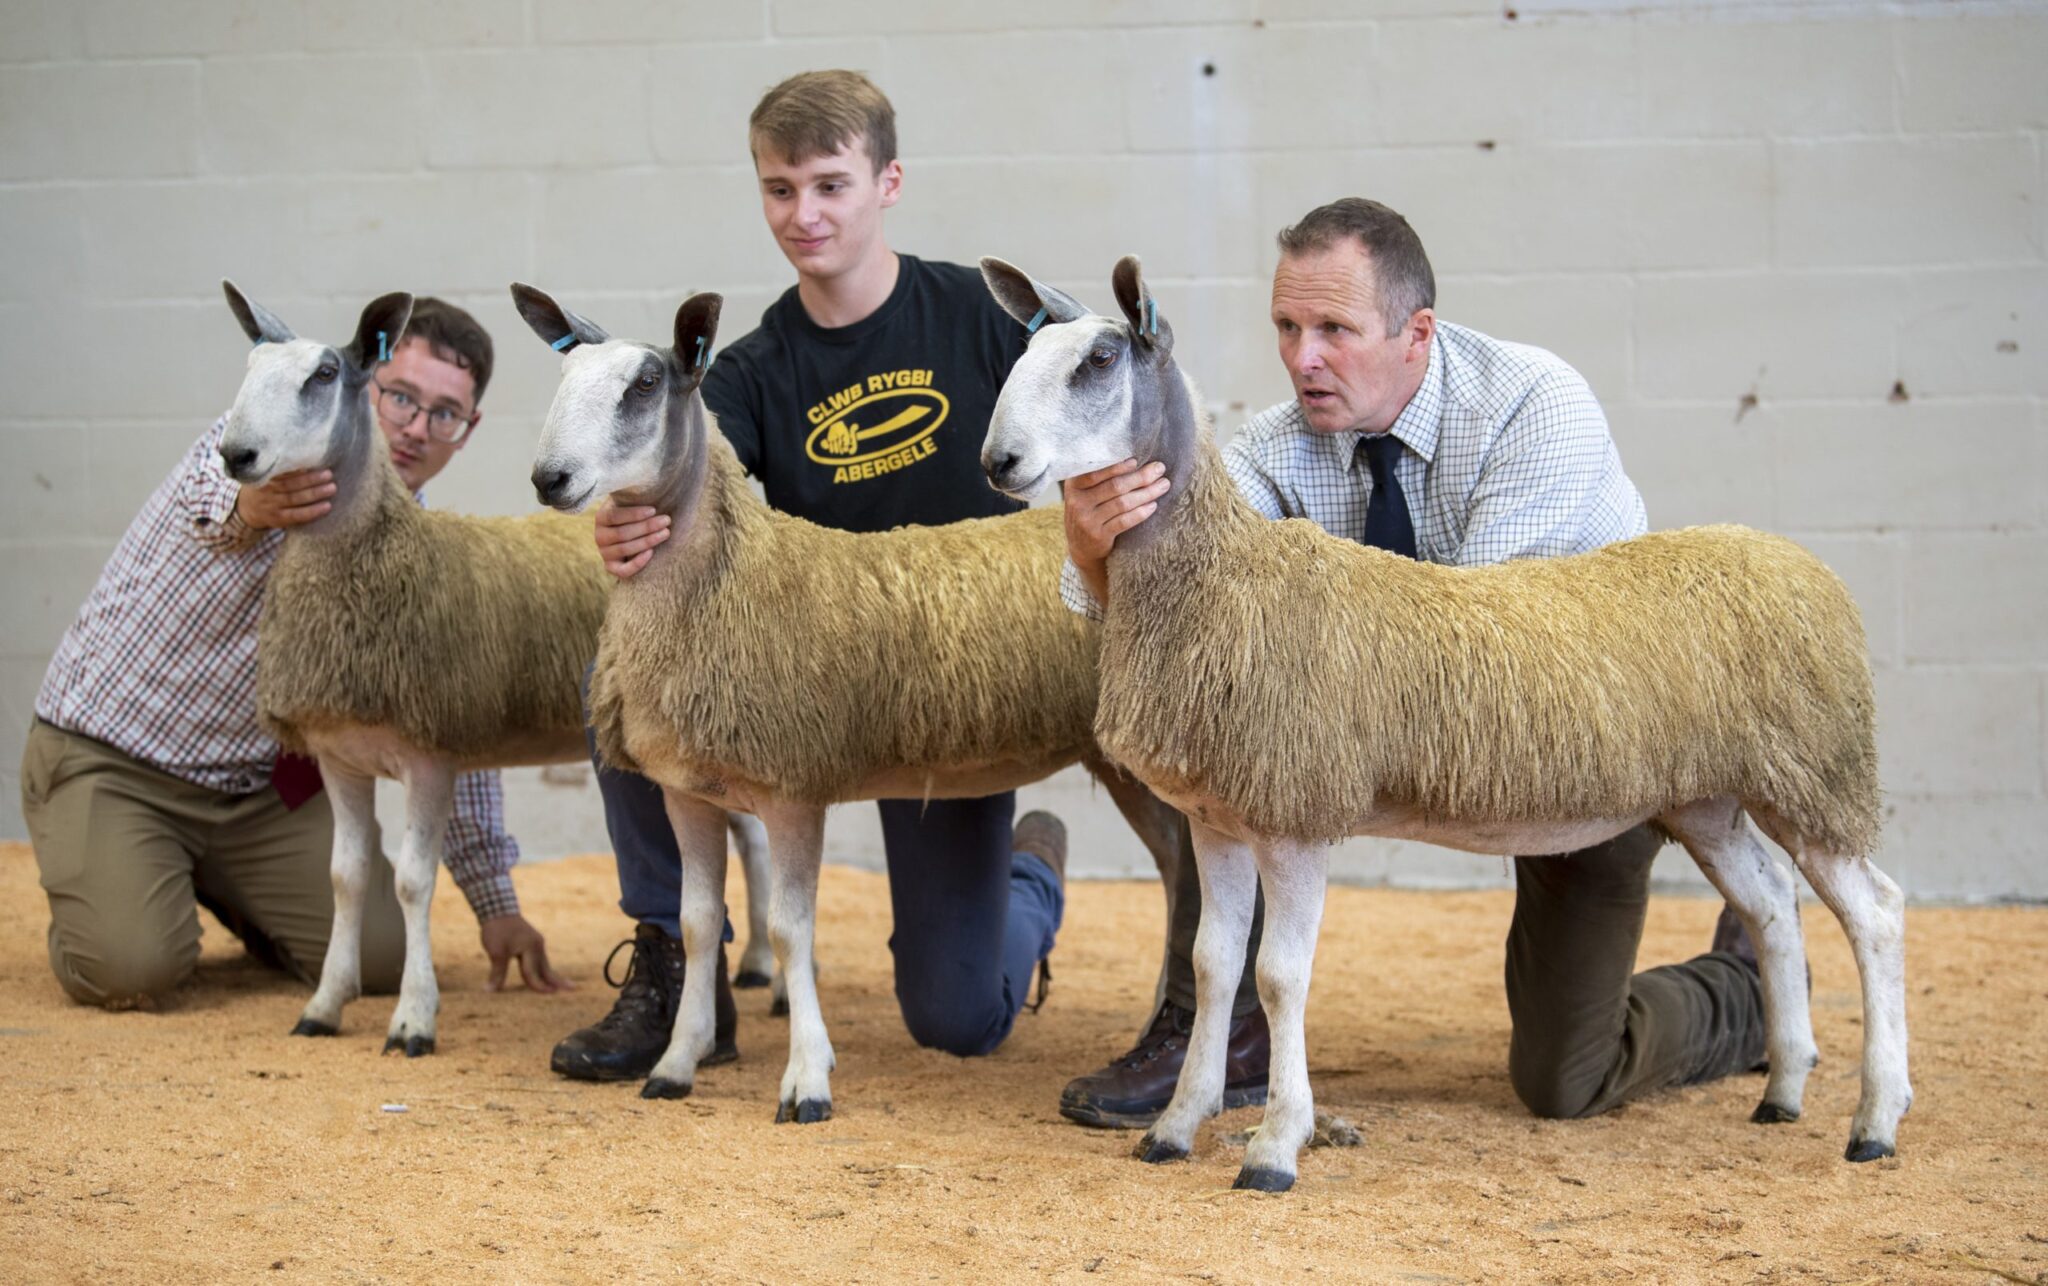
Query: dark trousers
{"x": 1589, "y": 1032}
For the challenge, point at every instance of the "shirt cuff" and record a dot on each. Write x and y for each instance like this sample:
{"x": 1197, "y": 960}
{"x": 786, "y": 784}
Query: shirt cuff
{"x": 492, "y": 896}
{"x": 1075, "y": 594}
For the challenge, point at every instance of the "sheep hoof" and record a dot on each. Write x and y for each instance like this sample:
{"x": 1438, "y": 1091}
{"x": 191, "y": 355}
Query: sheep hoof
{"x": 314, "y": 1027}
{"x": 747, "y": 979}
{"x": 414, "y": 1046}
{"x": 1158, "y": 1151}
{"x": 779, "y": 1007}
{"x": 1769, "y": 1113}
{"x": 809, "y": 1111}
{"x": 1868, "y": 1150}
{"x": 663, "y": 1087}
{"x": 1256, "y": 1179}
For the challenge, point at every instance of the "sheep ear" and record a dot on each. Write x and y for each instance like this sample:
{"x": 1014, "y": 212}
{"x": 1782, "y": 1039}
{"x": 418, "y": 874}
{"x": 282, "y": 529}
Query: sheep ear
{"x": 697, "y": 331}
{"x": 378, "y": 331}
{"x": 1140, "y": 308}
{"x": 557, "y": 327}
{"x": 258, "y": 323}
{"x": 1032, "y": 303}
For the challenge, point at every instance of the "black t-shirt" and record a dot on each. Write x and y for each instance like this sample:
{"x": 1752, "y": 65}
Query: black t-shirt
{"x": 877, "y": 424}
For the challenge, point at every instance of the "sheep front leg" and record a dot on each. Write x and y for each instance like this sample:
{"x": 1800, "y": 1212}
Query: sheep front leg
{"x": 1229, "y": 878}
{"x": 796, "y": 835}
{"x": 1766, "y": 899}
{"x": 1295, "y": 876}
{"x": 700, "y": 836}
{"x": 353, "y": 799}
{"x": 429, "y": 799}
{"x": 757, "y": 962}
{"x": 1873, "y": 913}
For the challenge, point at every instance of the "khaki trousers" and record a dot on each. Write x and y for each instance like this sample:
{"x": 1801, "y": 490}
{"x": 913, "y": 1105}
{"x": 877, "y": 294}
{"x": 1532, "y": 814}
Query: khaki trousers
{"x": 128, "y": 853}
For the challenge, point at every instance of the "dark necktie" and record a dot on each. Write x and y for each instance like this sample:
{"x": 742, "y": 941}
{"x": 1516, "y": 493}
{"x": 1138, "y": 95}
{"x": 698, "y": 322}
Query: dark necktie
{"x": 1387, "y": 525}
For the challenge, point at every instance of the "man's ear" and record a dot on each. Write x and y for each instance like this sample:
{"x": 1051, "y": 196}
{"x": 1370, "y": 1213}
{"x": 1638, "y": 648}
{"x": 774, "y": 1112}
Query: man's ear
{"x": 1032, "y": 303}
{"x": 557, "y": 327}
{"x": 378, "y": 331}
{"x": 697, "y": 331}
{"x": 258, "y": 323}
{"x": 1140, "y": 308}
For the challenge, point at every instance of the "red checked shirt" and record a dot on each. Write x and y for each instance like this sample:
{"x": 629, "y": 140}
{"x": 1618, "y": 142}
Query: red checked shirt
{"x": 161, "y": 663}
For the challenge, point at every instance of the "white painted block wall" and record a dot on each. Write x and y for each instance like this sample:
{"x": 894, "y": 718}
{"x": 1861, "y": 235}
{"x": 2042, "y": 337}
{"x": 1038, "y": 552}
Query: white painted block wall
{"x": 1797, "y": 247}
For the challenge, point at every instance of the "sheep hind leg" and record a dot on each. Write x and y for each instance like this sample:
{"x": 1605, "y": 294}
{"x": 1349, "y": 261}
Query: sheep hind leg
{"x": 355, "y": 847}
{"x": 796, "y": 834}
{"x": 1157, "y": 824}
{"x": 1873, "y": 913}
{"x": 700, "y": 838}
{"x": 1295, "y": 877}
{"x": 750, "y": 840}
{"x": 1766, "y": 899}
{"x": 1229, "y": 876}
{"x": 429, "y": 799}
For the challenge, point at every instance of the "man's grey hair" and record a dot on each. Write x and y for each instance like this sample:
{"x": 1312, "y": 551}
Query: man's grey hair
{"x": 1401, "y": 273}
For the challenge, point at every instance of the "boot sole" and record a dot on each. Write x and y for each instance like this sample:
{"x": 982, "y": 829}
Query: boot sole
{"x": 1095, "y": 1116}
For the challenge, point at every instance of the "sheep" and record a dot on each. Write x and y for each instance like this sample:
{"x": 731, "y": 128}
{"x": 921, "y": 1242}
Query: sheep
{"x": 1285, "y": 688}
{"x": 761, "y": 662}
{"x": 398, "y": 642}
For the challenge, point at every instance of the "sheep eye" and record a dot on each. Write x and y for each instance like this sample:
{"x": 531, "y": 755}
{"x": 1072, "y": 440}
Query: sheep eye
{"x": 1102, "y": 358}
{"x": 326, "y": 373}
{"x": 647, "y": 383}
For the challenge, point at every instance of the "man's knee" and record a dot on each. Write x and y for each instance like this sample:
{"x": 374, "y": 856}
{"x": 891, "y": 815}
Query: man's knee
{"x": 952, "y": 1023}
{"x": 1557, "y": 1082}
{"x": 132, "y": 974}
{"x": 1552, "y": 1097}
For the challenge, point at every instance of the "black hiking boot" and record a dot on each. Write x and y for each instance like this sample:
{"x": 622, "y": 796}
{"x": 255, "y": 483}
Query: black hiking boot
{"x": 626, "y": 1043}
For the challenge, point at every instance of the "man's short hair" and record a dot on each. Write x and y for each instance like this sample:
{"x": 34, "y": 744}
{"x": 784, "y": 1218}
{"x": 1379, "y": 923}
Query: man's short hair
{"x": 815, "y": 113}
{"x": 453, "y": 336}
{"x": 1401, "y": 273}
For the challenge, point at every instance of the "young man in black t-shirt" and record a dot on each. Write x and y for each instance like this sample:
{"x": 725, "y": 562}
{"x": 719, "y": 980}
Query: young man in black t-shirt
{"x": 860, "y": 403}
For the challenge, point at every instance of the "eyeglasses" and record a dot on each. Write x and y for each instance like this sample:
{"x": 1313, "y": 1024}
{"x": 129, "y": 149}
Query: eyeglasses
{"x": 400, "y": 408}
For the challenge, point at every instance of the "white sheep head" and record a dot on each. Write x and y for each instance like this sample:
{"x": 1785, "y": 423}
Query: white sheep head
{"x": 301, "y": 397}
{"x": 620, "y": 405}
{"x": 1071, "y": 403}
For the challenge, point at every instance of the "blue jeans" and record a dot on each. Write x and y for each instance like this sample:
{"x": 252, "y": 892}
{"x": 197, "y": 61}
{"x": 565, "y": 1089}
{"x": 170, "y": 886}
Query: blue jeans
{"x": 973, "y": 917}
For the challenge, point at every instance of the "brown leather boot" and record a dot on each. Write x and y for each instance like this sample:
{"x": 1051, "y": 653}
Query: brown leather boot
{"x": 1131, "y": 1092}
{"x": 626, "y": 1043}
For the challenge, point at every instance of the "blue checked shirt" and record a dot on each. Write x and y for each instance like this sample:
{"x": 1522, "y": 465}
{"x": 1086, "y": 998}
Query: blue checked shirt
{"x": 1508, "y": 456}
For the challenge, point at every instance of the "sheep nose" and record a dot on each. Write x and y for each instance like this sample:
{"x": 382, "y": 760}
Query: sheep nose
{"x": 550, "y": 484}
{"x": 238, "y": 460}
{"x": 999, "y": 467}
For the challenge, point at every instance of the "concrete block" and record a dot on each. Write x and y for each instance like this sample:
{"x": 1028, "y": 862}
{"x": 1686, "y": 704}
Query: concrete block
{"x": 827, "y": 18}
{"x": 1325, "y": 10}
{"x": 1906, "y": 201}
{"x": 115, "y": 120}
{"x": 1465, "y": 80}
{"x": 39, "y": 31}
{"x": 668, "y": 231}
{"x": 1973, "y": 72}
{"x": 1977, "y": 598}
{"x": 125, "y": 463}
{"x": 1236, "y": 88}
{"x": 43, "y": 593}
{"x": 1918, "y": 465}
{"x": 1959, "y": 732}
{"x": 574, "y": 109}
{"x": 647, "y": 22}
{"x": 1585, "y": 318}
{"x": 433, "y": 233}
{"x": 980, "y": 96}
{"x": 345, "y": 112}
{"x": 391, "y": 25}
{"x": 169, "y": 28}
{"x": 1772, "y": 335}
{"x": 251, "y": 231}
{"x": 702, "y": 95}
{"x": 1767, "y": 80}
{"x": 1030, "y": 211}
{"x": 1969, "y": 331}
{"x": 1870, "y": 566}
{"x": 45, "y": 251}
{"x": 177, "y": 360}
{"x": 1698, "y": 464}
{"x": 1968, "y": 848}
{"x": 44, "y": 486}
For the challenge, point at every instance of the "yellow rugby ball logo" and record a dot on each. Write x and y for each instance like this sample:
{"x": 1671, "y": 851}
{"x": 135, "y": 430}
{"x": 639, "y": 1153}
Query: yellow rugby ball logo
{"x": 877, "y": 425}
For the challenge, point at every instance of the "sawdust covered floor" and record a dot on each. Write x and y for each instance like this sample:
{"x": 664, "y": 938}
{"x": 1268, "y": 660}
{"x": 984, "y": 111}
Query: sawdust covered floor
{"x": 202, "y": 1143}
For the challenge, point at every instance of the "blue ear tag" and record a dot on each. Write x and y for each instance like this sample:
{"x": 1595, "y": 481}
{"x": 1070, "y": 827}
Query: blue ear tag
{"x": 565, "y": 343}
{"x": 383, "y": 347}
{"x": 700, "y": 353}
{"x": 1031, "y": 327}
{"x": 1152, "y": 313}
